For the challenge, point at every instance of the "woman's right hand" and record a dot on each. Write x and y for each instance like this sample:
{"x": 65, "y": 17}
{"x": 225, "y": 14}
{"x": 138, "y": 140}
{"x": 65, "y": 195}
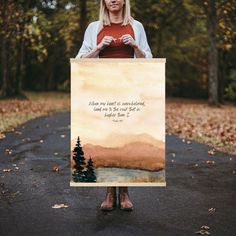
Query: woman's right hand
{"x": 106, "y": 41}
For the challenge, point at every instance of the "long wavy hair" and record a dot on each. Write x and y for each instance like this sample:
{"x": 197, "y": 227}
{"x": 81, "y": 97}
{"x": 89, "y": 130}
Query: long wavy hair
{"x": 104, "y": 14}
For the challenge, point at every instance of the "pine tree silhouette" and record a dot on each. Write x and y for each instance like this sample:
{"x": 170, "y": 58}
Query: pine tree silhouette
{"x": 79, "y": 173}
{"x": 90, "y": 175}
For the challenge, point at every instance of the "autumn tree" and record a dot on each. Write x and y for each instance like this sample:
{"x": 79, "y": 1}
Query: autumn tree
{"x": 90, "y": 175}
{"x": 78, "y": 157}
{"x": 213, "y": 53}
{"x": 37, "y": 38}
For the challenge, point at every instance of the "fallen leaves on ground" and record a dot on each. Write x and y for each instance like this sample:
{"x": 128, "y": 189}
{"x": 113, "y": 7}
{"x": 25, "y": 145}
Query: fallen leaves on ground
{"x": 14, "y": 112}
{"x": 7, "y": 170}
{"x": 2, "y": 136}
{"x": 8, "y": 151}
{"x": 211, "y": 210}
{"x": 58, "y": 206}
{"x": 204, "y": 230}
{"x": 195, "y": 120}
{"x": 211, "y": 152}
{"x": 210, "y": 162}
{"x": 18, "y": 132}
{"x": 56, "y": 168}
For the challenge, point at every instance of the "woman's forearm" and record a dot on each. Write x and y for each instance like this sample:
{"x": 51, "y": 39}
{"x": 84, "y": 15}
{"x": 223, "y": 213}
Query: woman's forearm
{"x": 138, "y": 52}
{"x": 92, "y": 54}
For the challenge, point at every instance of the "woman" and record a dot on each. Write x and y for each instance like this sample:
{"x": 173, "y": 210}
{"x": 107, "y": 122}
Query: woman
{"x": 115, "y": 35}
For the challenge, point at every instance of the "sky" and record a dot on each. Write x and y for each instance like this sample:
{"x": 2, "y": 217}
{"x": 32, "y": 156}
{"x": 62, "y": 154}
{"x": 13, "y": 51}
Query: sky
{"x": 134, "y": 89}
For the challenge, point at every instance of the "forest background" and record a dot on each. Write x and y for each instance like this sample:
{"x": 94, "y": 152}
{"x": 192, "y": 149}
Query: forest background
{"x": 38, "y": 37}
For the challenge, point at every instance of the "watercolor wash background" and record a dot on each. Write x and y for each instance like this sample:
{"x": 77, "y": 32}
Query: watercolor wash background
{"x": 128, "y": 147}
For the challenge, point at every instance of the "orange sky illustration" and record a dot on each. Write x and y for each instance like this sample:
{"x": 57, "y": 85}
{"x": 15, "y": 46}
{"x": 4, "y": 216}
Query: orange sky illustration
{"x": 117, "y": 81}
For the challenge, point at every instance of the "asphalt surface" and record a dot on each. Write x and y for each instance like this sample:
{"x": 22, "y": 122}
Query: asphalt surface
{"x": 31, "y": 188}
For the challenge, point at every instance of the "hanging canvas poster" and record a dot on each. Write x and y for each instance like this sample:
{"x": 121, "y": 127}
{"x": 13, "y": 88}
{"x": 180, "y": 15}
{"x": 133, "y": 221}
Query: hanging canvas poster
{"x": 117, "y": 122}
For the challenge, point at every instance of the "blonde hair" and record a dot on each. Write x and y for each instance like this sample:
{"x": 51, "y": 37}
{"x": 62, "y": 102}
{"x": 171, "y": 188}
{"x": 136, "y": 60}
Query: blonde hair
{"x": 104, "y": 14}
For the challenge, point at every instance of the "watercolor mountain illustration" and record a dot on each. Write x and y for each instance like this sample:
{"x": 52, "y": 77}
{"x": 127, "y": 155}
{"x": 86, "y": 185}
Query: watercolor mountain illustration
{"x": 141, "y": 151}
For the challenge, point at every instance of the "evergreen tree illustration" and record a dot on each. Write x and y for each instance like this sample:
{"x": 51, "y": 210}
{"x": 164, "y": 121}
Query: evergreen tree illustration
{"x": 78, "y": 156}
{"x": 90, "y": 175}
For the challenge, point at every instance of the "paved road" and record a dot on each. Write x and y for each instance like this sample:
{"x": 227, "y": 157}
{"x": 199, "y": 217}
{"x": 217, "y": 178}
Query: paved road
{"x": 29, "y": 191}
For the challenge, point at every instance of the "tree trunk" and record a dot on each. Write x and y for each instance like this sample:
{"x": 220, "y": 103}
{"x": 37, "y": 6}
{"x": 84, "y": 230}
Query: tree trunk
{"x": 3, "y": 92}
{"x": 213, "y": 54}
{"x": 83, "y": 18}
{"x": 21, "y": 70}
{"x": 4, "y": 74}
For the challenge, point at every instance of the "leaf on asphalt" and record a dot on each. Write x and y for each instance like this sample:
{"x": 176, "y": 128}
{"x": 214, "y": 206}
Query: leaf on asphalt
{"x": 211, "y": 210}
{"x": 16, "y": 193}
{"x": 172, "y": 161}
{"x": 189, "y": 142}
{"x": 2, "y": 136}
{"x": 203, "y": 232}
{"x": 205, "y": 227}
{"x": 16, "y": 167}
{"x": 41, "y": 141}
{"x": 211, "y": 152}
{"x": 18, "y": 133}
{"x": 196, "y": 165}
{"x": 233, "y": 172}
{"x": 173, "y": 155}
{"x": 210, "y": 162}
{"x": 55, "y": 153}
{"x": 56, "y": 168}
{"x": 58, "y": 206}
{"x": 8, "y": 151}
{"x": 7, "y": 170}
{"x": 63, "y": 136}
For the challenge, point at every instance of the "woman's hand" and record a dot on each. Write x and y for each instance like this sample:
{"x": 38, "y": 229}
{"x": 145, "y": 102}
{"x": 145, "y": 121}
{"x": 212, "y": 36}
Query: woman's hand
{"x": 127, "y": 39}
{"x": 106, "y": 41}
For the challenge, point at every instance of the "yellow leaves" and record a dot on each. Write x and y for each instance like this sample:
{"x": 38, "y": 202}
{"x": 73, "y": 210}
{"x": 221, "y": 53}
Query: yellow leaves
{"x": 227, "y": 46}
{"x": 211, "y": 152}
{"x": 222, "y": 25}
{"x": 58, "y": 206}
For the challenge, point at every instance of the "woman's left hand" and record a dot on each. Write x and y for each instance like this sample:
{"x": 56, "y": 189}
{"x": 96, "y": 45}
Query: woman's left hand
{"x": 127, "y": 39}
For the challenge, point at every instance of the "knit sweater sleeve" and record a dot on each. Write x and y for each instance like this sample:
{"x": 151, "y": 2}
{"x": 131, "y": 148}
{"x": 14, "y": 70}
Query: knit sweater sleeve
{"x": 143, "y": 43}
{"x": 87, "y": 44}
